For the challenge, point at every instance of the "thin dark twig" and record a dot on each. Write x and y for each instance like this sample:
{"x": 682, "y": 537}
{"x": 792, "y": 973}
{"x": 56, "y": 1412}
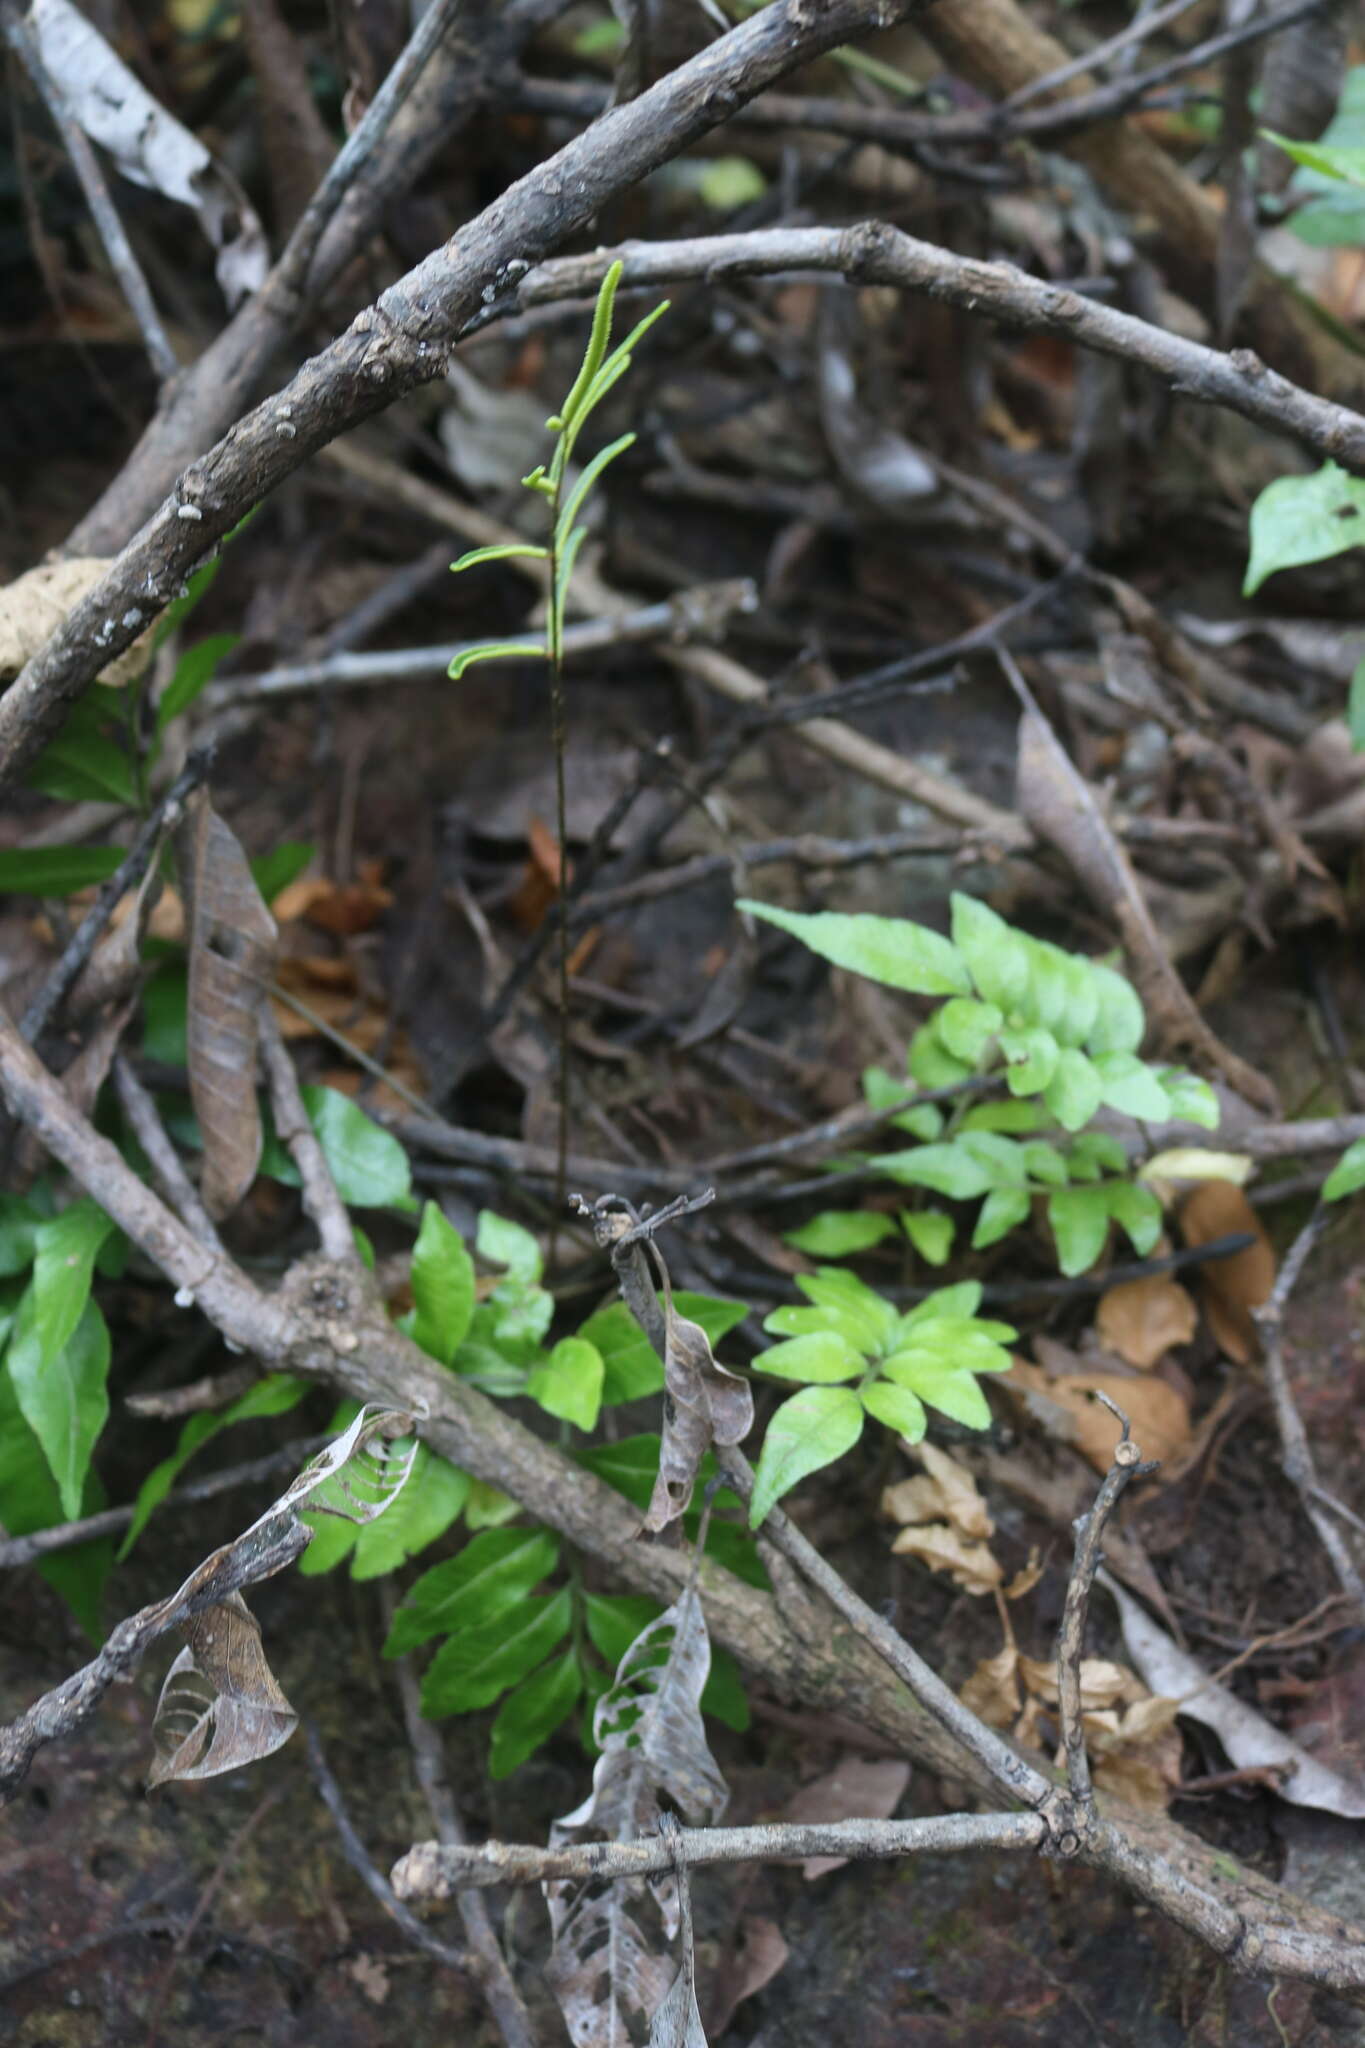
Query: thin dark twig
{"x": 86, "y": 165}
{"x": 1127, "y": 1463}
{"x": 1296, "y": 1456}
{"x": 360, "y": 1860}
{"x": 486, "y": 1959}
{"x": 320, "y": 1196}
{"x": 110, "y": 893}
{"x": 21, "y": 1550}
{"x": 165, "y": 1162}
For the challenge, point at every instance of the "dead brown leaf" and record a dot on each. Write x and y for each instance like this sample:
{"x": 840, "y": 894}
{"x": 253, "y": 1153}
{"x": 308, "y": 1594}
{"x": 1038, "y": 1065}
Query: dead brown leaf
{"x": 342, "y": 908}
{"x": 220, "y": 1706}
{"x": 750, "y": 1962}
{"x": 973, "y": 1566}
{"x": 992, "y": 1692}
{"x": 1061, "y": 807}
{"x": 1231, "y": 1288}
{"x": 703, "y": 1405}
{"x": 945, "y": 1491}
{"x": 233, "y": 944}
{"x": 1142, "y": 1318}
{"x": 1159, "y": 1417}
{"x": 858, "y": 1788}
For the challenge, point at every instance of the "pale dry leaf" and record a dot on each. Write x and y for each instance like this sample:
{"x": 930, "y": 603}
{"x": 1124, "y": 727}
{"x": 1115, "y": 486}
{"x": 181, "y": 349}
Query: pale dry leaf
{"x": 220, "y": 1706}
{"x": 1159, "y": 1417}
{"x": 233, "y": 944}
{"x": 1102, "y": 1683}
{"x": 1026, "y": 1578}
{"x": 1251, "y": 1742}
{"x": 970, "y": 1565}
{"x": 1192, "y": 1163}
{"x": 858, "y": 1788}
{"x": 1233, "y": 1287}
{"x": 371, "y": 1975}
{"x": 36, "y": 604}
{"x": 992, "y": 1692}
{"x": 1141, "y": 1319}
{"x": 944, "y": 1492}
{"x": 677, "y": 2021}
{"x": 1061, "y": 807}
{"x": 150, "y": 146}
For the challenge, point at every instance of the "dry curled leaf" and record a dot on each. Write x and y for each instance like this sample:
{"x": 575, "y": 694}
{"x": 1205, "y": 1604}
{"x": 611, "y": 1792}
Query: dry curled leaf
{"x": 35, "y": 605}
{"x": 1141, "y": 1319}
{"x": 755, "y": 1955}
{"x": 972, "y": 1566}
{"x": 993, "y": 1691}
{"x": 1233, "y": 1287}
{"x": 609, "y": 1975}
{"x": 703, "y": 1405}
{"x": 232, "y": 958}
{"x": 944, "y": 1492}
{"x": 220, "y": 1706}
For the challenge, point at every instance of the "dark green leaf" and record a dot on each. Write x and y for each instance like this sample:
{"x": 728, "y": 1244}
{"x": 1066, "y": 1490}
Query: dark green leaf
{"x": 273, "y": 872}
{"x": 431, "y": 1499}
{"x": 55, "y": 870}
{"x": 492, "y": 1574}
{"x": 196, "y": 667}
{"x": 530, "y": 1715}
{"x": 29, "y": 1500}
{"x": 472, "y": 1668}
{"x": 88, "y": 760}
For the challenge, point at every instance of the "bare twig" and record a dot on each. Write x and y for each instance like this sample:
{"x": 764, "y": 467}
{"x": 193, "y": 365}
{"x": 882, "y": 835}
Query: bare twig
{"x": 103, "y": 212}
{"x": 171, "y": 1177}
{"x": 360, "y": 1860}
{"x": 432, "y": 1870}
{"x": 162, "y": 819}
{"x": 320, "y": 1197}
{"x": 873, "y": 253}
{"x": 486, "y": 1959}
{"x": 1090, "y": 1529}
{"x": 1296, "y": 1456}
{"x": 21, "y": 1550}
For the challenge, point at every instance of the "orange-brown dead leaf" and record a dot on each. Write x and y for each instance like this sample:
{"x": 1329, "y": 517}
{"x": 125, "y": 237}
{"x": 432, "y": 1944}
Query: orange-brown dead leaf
{"x": 1159, "y": 1417}
{"x": 992, "y": 1692}
{"x": 1140, "y": 1319}
{"x": 1231, "y": 1288}
{"x": 342, "y": 908}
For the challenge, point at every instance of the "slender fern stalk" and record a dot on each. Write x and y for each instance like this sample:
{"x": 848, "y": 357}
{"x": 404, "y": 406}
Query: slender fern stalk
{"x": 566, "y": 495}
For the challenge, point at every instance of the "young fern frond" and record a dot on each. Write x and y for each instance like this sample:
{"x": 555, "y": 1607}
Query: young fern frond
{"x": 600, "y": 371}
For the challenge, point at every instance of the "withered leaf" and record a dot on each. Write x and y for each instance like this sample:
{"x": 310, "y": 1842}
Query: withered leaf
{"x": 606, "y": 1973}
{"x": 1063, "y": 1406}
{"x": 945, "y": 1492}
{"x": 232, "y": 946}
{"x": 220, "y": 1706}
{"x": 703, "y": 1405}
{"x": 1142, "y": 1318}
{"x": 1060, "y": 806}
{"x": 858, "y": 1788}
{"x": 973, "y": 1566}
{"x": 1233, "y": 1287}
